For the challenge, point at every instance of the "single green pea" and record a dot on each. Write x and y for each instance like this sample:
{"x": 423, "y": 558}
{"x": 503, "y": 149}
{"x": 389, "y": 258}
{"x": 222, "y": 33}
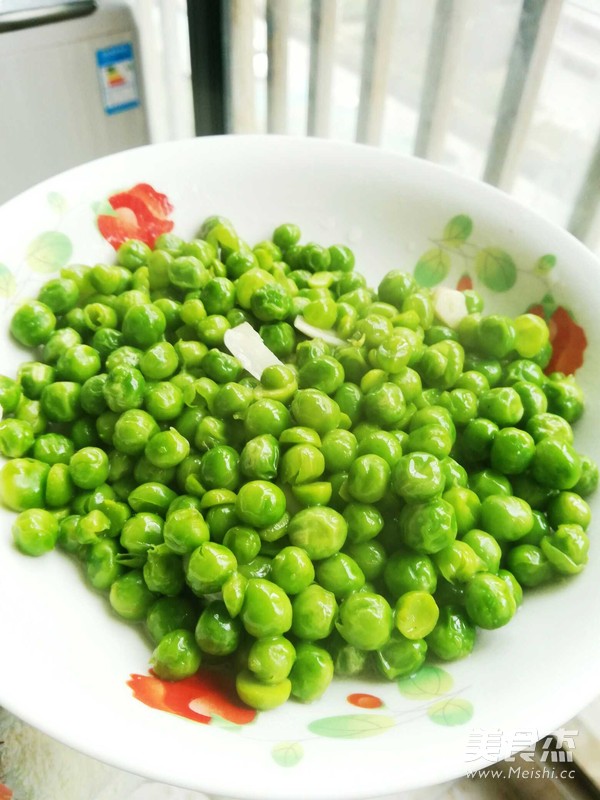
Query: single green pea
{"x": 130, "y": 597}
{"x": 260, "y": 503}
{"x": 32, "y": 323}
{"x": 59, "y": 401}
{"x": 478, "y": 438}
{"x": 301, "y": 463}
{"x": 428, "y": 527}
{"x": 409, "y": 572}
{"x": 267, "y": 610}
{"x": 528, "y": 489}
{"x": 176, "y": 656}
{"x": 365, "y": 620}
{"x": 102, "y": 565}
{"x": 124, "y": 356}
{"x": 35, "y": 531}
{"x": 208, "y": 568}
{"x": 466, "y": 506}
{"x": 370, "y": 557}
{"x": 416, "y": 614}
{"x": 16, "y": 438}
{"x": 395, "y": 287}
{"x": 556, "y": 464}
{"x": 454, "y": 473}
{"x": 10, "y": 394}
{"x": 489, "y": 601}
{"x": 153, "y": 497}
{"x": 217, "y": 632}
{"x": 53, "y": 448}
{"x": 33, "y": 376}
{"x": 233, "y": 591}
{"x": 244, "y": 543}
{"x": 488, "y": 482}
{"x": 313, "y": 408}
{"x": 170, "y": 613}
{"x": 501, "y": 405}
{"x": 23, "y": 483}
{"x": 185, "y": 529}
{"x": 31, "y": 411}
{"x": 565, "y": 396}
{"x": 566, "y": 548}
{"x": 260, "y": 695}
{"x": 400, "y": 656}
{"x": 506, "y": 518}
{"x": 271, "y": 659}
{"x": 568, "y": 508}
{"x": 485, "y": 547}
{"x": 368, "y": 478}
{"x": 141, "y": 532}
{"x": 266, "y": 416}
{"x": 292, "y": 570}
{"x": 298, "y": 434}
{"x": 364, "y": 522}
{"x": 314, "y": 611}
{"x": 219, "y": 468}
{"x": 512, "y": 451}
{"x": 454, "y": 635}
{"x": 311, "y": 673}
{"x": 124, "y": 388}
{"x": 59, "y": 486}
{"x": 340, "y": 574}
{"x": 339, "y": 448}
{"x": 167, "y": 449}
{"x": 259, "y": 458}
{"x": 458, "y": 562}
{"x": 418, "y": 477}
{"x": 529, "y": 565}
{"x": 319, "y": 530}
{"x": 89, "y": 467}
{"x": 133, "y": 430}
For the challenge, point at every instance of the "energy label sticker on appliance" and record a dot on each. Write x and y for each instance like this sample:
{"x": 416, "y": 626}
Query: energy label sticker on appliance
{"x": 118, "y": 82}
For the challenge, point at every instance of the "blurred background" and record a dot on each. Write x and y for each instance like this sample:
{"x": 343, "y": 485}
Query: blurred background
{"x": 501, "y": 90}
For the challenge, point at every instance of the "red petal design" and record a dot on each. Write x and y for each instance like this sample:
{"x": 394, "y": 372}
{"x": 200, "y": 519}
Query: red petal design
{"x": 464, "y": 282}
{"x": 364, "y": 700}
{"x": 568, "y": 342}
{"x": 158, "y": 204}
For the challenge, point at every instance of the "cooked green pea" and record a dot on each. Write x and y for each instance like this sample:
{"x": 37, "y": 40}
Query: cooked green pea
{"x": 368, "y": 478}
{"x": 170, "y": 613}
{"x": 556, "y": 464}
{"x": 176, "y": 656}
{"x": 319, "y": 530}
{"x": 267, "y": 610}
{"x": 428, "y": 527}
{"x": 185, "y": 530}
{"x": 217, "y": 632}
{"x": 130, "y": 597}
{"x": 487, "y": 482}
{"x": 259, "y": 458}
{"x": 400, "y": 656}
{"x": 365, "y": 620}
{"x": 418, "y": 477}
{"x": 311, "y": 673}
{"x": 59, "y": 401}
{"x": 566, "y": 548}
{"x": 32, "y": 323}
{"x": 16, "y": 438}
{"x": 454, "y": 635}
{"x": 529, "y": 565}
{"x": 568, "y": 508}
{"x": 208, "y": 568}
{"x": 260, "y": 695}
{"x": 124, "y": 388}
{"x": 260, "y": 503}
{"x": 489, "y": 601}
{"x": 292, "y": 570}
{"x": 167, "y": 449}
{"x": 485, "y": 547}
{"x": 35, "y": 531}
{"x": 314, "y": 611}
{"x": 409, "y": 572}
{"x": 271, "y": 659}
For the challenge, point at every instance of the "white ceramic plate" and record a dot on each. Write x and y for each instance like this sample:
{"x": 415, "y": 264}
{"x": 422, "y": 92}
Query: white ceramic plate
{"x": 66, "y": 660}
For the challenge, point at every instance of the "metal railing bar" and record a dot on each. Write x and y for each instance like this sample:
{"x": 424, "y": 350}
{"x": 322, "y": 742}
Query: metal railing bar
{"x": 322, "y": 41}
{"x": 377, "y": 50}
{"x": 446, "y": 45}
{"x": 239, "y": 66}
{"x": 526, "y": 68}
{"x": 278, "y": 24}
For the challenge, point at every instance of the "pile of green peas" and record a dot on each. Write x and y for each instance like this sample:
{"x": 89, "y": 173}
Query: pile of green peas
{"x": 361, "y": 506}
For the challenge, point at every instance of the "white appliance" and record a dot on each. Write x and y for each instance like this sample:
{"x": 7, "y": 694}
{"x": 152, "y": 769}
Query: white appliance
{"x": 70, "y": 90}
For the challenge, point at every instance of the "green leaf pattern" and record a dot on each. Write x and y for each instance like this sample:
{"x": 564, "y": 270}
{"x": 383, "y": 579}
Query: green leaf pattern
{"x": 7, "y": 281}
{"x": 450, "y": 712}
{"x": 49, "y": 251}
{"x": 432, "y": 267}
{"x": 496, "y": 269}
{"x": 352, "y": 726}
{"x": 287, "y": 754}
{"x": 458, "y": 230}
{"x": 426, "y": 684}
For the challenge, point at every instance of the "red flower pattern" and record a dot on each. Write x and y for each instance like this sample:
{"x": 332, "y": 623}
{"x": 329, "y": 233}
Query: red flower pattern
{"x": 198, "y": 698}
{"x": 567, "y": 338}
{"x": 140, "y": 213}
